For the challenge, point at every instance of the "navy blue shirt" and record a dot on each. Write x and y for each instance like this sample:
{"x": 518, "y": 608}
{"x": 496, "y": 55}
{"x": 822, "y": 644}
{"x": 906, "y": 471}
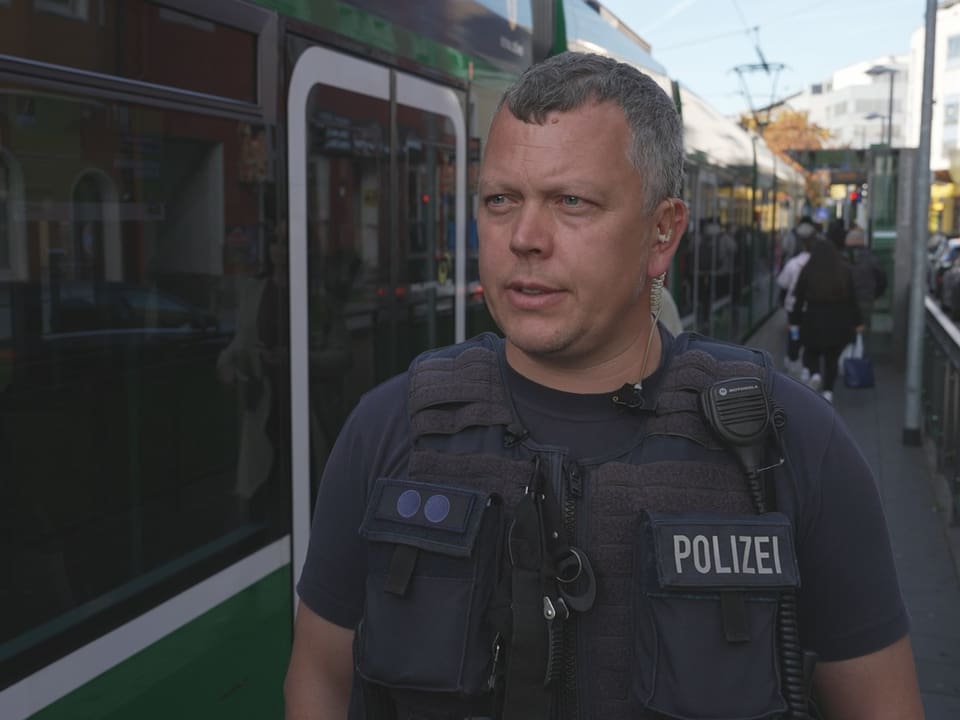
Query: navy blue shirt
{"x": 849, "y": 600}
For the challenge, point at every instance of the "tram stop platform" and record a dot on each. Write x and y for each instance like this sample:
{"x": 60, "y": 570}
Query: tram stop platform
{"x": 926, "y": 543}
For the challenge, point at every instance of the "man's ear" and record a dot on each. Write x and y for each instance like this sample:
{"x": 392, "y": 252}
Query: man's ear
{"x": 670, "y": 222}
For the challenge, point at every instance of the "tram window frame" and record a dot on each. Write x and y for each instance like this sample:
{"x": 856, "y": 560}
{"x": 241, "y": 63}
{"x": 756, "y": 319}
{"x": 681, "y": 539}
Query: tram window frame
{"x": 260, "y": 22}
{"x": 250, "y": 18}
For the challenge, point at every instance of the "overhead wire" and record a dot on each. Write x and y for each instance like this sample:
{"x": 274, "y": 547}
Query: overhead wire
{"x": 756, "y": 36}
{"x": 756, "y": 28}
{"x": 771, "y": 69}
{"x": 764, "y": 65}
{"x": 702, "y": 39}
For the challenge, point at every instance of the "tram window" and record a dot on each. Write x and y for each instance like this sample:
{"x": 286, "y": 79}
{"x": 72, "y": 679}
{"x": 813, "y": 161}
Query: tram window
{"x": 142, "y": 387}
{"x": 381, "y": 255}
{"x": 354, "y": 290}
{"x": 428, "y": 163}
{"x": 139, "y": 40}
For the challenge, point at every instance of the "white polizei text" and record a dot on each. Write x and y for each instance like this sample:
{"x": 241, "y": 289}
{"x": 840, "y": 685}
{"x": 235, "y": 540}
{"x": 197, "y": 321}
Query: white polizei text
{"x": 727, "y": 555}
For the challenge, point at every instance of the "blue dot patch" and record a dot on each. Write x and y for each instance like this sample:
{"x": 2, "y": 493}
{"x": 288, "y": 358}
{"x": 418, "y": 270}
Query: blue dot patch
{"x": 434, "y": 507}
{"x": 408, "y": 503}
{"x": 437, "y": 508}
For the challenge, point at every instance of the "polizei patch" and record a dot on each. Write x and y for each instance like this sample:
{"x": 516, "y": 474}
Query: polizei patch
{"x": 724, "y": 551}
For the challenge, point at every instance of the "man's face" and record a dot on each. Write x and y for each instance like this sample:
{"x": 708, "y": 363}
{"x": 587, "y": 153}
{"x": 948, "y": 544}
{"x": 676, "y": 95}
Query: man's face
{"x": 564, "y": 239}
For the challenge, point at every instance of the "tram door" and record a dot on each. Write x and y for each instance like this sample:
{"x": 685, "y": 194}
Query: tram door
{"x": 377, "y": 168}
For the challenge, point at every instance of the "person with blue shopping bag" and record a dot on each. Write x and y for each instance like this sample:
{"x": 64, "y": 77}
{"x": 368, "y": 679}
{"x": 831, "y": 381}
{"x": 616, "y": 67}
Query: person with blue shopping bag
{"x": 827, "y": 314}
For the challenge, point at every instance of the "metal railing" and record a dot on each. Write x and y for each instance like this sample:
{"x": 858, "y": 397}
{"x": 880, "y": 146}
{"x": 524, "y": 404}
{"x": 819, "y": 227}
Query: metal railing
{"x": 941, "y": 396}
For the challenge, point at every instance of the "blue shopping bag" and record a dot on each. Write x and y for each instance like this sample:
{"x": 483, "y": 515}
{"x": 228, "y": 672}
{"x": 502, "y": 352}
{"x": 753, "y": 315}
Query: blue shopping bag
{"x": 857, "y": 369}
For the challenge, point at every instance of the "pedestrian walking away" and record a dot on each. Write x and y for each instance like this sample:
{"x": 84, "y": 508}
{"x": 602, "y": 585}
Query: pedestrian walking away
{"x": 805, "y": 233}
{"x": 792, "y": 242}
{"x": 837, "y": 233}
{"x": 587, "y": 516}
{"x": 869, "y": 278}
{"x": 827, "y": 314}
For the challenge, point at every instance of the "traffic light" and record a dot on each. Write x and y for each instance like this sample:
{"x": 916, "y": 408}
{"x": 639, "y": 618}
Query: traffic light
{"x": 854, "y": 196}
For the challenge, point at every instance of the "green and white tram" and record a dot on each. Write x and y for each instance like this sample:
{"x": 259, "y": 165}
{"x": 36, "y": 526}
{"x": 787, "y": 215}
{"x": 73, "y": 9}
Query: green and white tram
{"x": 204, "y": 204}
{"x": 221, "y": 222}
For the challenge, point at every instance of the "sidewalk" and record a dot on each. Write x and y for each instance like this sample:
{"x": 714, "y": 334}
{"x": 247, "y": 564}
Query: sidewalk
{"x": 926, "y": 549}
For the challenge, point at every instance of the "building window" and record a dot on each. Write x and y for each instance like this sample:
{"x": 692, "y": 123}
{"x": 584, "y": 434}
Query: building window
{"x": 953, "y": 47}
{"x": 953, "y": 51}
{"x": 67, "y": 8}
{"x": 951, "y": 110}
{"x": 840, "y": 108}
{"x": 951, "y": 119}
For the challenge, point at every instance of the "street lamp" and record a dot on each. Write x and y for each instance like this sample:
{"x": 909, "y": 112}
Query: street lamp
{"x": 883, "y": 120}
{"x": 886, "y": 70}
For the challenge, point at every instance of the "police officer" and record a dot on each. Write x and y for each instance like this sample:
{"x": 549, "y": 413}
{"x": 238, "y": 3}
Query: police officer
{"x": 563, "y": 522}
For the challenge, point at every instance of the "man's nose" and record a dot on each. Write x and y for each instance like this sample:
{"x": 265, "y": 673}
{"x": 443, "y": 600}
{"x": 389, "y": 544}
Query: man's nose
{"x": 533, "y": 232}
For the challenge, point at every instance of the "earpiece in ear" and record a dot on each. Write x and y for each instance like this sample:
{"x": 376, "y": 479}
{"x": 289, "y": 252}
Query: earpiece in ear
{"x": 663, "y": 236}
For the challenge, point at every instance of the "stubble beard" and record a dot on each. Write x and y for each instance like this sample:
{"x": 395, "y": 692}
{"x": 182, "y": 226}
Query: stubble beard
{"x": 559, "y": 345}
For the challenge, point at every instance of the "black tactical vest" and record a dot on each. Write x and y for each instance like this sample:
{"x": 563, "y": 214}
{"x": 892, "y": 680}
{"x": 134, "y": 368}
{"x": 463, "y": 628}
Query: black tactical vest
{"x": 687, "y": 575}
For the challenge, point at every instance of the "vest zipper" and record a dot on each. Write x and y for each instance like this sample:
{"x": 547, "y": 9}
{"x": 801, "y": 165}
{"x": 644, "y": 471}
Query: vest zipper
{"x": 568, "y": 705}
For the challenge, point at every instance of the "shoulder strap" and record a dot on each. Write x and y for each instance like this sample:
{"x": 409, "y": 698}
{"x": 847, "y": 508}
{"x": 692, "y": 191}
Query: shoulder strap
{"x": 727, "y": 352}
{"x": 457, "y": 387}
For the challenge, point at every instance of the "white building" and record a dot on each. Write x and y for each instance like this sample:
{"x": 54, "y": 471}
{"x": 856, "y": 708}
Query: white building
{"x": 854, "y": 104}
{"x": 944, "y": 146}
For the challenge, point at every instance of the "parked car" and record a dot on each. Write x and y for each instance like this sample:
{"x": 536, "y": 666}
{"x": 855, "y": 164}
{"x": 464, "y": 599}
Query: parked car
{"x": 942, "y": 262}
{"x": 117, "y": 307}
{"x": 950, "y": 293}
{"x": 935, "y": 245}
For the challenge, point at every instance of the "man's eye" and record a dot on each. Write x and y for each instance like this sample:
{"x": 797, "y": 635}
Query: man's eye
{"x": 496, "y": 199}
{"x": 572, "y": 201}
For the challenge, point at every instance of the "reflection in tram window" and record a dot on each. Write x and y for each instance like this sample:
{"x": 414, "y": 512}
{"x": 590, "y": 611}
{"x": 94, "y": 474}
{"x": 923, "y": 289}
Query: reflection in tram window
{"x": 76, "y": 9}
{"x": 256, "y": 362}
{"x": 351, "y": 259}
{"x": 382, "y": 248}
{"x": 382, "y": 270}
{"x": 141, "y": 227}
{"x": 428, "y": 163}
{"x": 6, "y": 199}
{"x": 89, "y": 203}
{"x": 132, "y": 39}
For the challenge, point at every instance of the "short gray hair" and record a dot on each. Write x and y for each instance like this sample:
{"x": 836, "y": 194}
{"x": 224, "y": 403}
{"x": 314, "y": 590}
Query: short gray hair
{"x": 570, "y": 80}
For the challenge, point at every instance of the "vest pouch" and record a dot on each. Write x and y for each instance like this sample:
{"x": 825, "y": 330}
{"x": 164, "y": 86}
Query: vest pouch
{"x": 432, "y": 562}
{"x": 706, "y": 590}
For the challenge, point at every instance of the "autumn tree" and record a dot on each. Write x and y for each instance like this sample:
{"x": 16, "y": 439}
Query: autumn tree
{"x": 786, "y": 130}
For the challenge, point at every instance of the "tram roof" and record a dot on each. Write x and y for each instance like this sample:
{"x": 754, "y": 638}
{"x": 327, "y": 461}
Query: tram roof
{"x": 592, "y": 28}
{"x": 721, "y": 141}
